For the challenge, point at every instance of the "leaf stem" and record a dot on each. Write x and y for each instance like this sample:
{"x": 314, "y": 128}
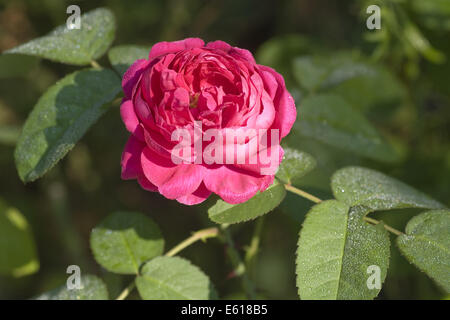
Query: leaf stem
{"x": 388, "y": 228}
{"x": 308, "y": 196}
{"x": 198, "y": 235}
{"x": 253, "y": 249}
{"x": 95, "y": 64}
{"x": 238, "y": 264}
{"x": 126, "y": 291}
{"x": 302, "y": 193}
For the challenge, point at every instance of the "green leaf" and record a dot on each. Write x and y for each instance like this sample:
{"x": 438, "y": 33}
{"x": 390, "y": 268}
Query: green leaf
{"x": 173, "y": 278}
{"x": 328, "y": 118}
{"x": 92, "y": 288}
{"x": 295, "y": 165}
{"x": 76, "y": 46}
{"x": 61, "y": 117}
{"x": 122, "y": 57}
{"x": 18, "y": 255}
{"x": 427, "y": 245}
{"x": 261, "y": 203}
{"x": 125, "y": 240}
{"x": 315, "y": 73}
{"x": 335, "y": 250}
{"x": 362, "y": 186}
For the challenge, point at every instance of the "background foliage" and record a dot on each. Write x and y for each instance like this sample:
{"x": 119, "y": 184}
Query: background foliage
{"x": 390, "y": 88}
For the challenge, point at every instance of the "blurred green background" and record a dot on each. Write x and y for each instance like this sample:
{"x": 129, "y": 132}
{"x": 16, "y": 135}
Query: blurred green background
{"x": 409, "y": 103}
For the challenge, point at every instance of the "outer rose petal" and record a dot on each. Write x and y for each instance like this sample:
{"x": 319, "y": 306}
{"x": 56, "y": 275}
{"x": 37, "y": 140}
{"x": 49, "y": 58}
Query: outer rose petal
{"x": 165, "y": 47}
{"x": 200, "y": 195}
{"x": 131, "y": 158}
{"x": 243, "y": 53}
{"x": 173, "y": 181}
{"x": 234, "y": 186}
{"x": 132, "y": 75}
{"x": 284, "y": 103}
{"x": 130, "y": 119}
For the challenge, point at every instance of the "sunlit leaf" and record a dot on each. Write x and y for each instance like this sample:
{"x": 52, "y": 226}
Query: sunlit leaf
{"x": 74, "y": 46}
{"x": 362, "y": 186}
{"x": 427, "y": 245}
{"x": 261, "y": 203}
{"x": 122, "y": 57}
{"x": 92, "y": 288}
{"x": 61, "y": 117}
{"x": 173, "y": 278}
{"x": 295, "y": 165}
{"x": 125, "y": 240}
{"x": 336, "y": 250}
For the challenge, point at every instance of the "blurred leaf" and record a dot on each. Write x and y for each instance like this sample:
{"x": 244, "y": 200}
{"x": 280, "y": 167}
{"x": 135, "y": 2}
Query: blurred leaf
{"x": 421, "y": 44}
{"x": 18, "y": 256}
{"x": 328, "y": 118}
{"x": 76, "y": 46}
{"x": 14, "y": 65}
{"x": 435, "y": 14}
{"x": 93, "y": 288}
{"x": 280, "y": 51}
{"x": 427, "y": 245}
{"x": 61, "y": 117}
{"x": 362, "y": 186}
{"x": 173, "y": 278}
{"x": 315, "y": 73}
{"x": 122, "y": 57}
{"x": 335, "y": 249}
{"x": 379, "y": 88}
{"x": 125, "y": 240}
{"x": 295, "y": 165}
{"x": 9, "y": 134}
{"x": 261, "y": 203}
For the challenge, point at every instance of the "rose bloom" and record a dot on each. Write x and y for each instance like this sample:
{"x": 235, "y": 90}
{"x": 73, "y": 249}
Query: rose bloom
{"x": 220, "y": 86}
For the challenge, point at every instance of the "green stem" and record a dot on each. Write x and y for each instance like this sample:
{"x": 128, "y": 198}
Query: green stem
{"x": 302, "y": 193}
{"x": 199, "y": 235}
{"x": 312, "y": 198}
{"x": 238, "y": 264}
{"x": 126, "y": 291}
{"x": 253, "y": 249}
{"x": 388, "y": 228}
{"x": 95, "y": 64}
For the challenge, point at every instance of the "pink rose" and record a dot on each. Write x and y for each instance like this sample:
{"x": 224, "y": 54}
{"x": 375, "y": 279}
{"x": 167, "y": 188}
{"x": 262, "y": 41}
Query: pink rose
{"x": 196, "y": 87}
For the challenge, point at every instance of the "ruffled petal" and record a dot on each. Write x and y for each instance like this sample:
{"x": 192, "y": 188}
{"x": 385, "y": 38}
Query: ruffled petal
{"x": 131, "y": 159}
{"x": 283, "y": 102}
{"x": 132, "y": 75}
{"x": 130, "y": 119}
{"x": 200, "y": 195}
{"x": 165, "y": 47}
{"x": 173, "y": 181}
{"x": 232, "y": 185}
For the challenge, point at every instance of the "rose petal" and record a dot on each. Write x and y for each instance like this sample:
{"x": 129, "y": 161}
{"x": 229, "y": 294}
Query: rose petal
{"x": 232, "y": 185}
{"x": 132, "y": 75}
{"x": 200, "y": 195}
{"x": 131, "y": 159}
{"x": 165, "y": 47}
{"x": 173, "y": 181}
{"x": 284, "y": 104}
